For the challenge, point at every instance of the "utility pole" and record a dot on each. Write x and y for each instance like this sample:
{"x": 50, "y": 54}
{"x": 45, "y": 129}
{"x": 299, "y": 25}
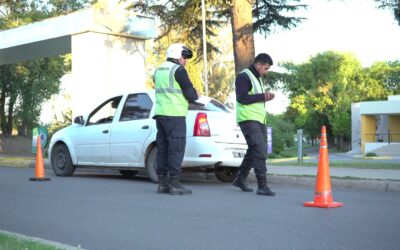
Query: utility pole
{"x": 203, "y": 11}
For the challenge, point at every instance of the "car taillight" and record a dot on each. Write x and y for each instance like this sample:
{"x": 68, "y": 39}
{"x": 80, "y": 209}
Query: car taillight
{"x": 201, "y": 127}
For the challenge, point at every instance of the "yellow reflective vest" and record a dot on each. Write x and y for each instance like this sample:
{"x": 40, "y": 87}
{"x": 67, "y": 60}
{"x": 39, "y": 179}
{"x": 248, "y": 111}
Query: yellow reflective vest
{"x": 255, "y": 111}
{"x": 169, "y": 97}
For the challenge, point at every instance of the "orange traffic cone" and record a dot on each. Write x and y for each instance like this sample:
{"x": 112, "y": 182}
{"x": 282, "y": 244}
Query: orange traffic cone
{"x": 39, "y": 166}
{"x": 323, "y": 193}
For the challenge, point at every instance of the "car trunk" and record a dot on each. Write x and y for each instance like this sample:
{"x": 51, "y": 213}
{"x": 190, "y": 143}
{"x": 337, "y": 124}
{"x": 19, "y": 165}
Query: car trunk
{"x": 223, "y": 126}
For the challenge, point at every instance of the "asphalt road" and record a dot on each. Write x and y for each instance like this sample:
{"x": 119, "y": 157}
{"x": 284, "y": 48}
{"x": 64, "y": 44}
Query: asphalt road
{"x": 100, "y": 211}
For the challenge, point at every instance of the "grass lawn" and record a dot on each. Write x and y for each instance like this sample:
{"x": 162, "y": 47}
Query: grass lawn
{"x": 16, "y": 161}
{"x": 14, "y": 242}
{"x": 290, "y": 159}
{"x": 339, "y": 164}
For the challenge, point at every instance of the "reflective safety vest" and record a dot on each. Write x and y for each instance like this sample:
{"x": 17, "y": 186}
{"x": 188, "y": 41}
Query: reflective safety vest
{"x": 255, "y": 111}
{"x": 169, "y": 97}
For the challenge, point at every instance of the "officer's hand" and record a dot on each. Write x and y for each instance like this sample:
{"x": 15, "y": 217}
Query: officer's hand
{"x": 268, "y": 96}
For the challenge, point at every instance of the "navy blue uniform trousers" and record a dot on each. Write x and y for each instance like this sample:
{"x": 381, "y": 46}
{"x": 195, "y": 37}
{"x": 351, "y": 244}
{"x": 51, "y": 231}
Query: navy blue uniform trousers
{"x": 171, "y": 142}
{"x": 256, "y": 138}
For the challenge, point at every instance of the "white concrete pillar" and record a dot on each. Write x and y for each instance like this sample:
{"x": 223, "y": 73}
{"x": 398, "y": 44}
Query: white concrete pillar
{"x": 355, "y": 128}
{"x": 103, "y": 66}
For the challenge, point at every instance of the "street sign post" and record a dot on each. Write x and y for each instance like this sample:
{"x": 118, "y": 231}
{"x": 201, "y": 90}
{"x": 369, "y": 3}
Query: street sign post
{"x": 269, "y": 140}
{"x": 300, "y": 145}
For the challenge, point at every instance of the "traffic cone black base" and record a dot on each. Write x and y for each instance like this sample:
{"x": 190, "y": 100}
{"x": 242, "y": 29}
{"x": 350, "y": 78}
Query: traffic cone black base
{"x": 39, "y": 179}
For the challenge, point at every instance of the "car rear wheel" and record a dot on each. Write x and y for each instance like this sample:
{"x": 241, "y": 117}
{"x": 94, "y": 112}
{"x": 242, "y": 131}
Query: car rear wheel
{"x": 61, "y": 161}
{"x": 128, "y": 173}
{"x": 226, "y": 174}
{"x": 151, "y": 165}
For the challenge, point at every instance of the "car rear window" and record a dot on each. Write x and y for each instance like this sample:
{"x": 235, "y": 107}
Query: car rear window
{"x": 212, "y": 105}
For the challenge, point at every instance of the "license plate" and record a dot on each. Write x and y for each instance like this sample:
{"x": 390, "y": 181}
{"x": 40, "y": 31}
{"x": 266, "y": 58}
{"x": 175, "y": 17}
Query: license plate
{"x": 238, "y": 154}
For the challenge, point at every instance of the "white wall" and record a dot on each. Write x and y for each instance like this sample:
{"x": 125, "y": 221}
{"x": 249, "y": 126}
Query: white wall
{"x": 371, "y": 146}
{"x": 380, "y": 107}
{"x": 394, "y": 98}
{"x": 104, "y": 66}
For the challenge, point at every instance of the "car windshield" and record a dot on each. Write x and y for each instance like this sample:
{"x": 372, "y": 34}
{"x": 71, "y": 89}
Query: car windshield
{"x": 210, "y": 105}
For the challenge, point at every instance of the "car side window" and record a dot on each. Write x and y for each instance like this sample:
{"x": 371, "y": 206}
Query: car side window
{"x": 137, "y": 106}
{"x": 105, "y": 112}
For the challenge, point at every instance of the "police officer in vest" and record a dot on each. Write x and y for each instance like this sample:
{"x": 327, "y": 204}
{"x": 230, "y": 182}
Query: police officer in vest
{"x": 174, "y": 91}
{"x": 251, "y": 116}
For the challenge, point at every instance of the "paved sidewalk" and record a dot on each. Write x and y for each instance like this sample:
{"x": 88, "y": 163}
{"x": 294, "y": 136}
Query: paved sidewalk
{"x": 361, "y": 173}
{"x": 358, "y": 178}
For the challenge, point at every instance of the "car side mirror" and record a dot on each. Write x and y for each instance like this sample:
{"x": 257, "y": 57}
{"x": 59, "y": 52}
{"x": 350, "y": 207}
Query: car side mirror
{"x": 114, "y": 104}
{"x": 79, "y": 120}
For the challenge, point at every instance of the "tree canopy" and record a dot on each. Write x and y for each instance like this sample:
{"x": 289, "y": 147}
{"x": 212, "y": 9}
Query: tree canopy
{"x": 322, "y": 89}
{"x": 180, "y": 21}
{"x": 25, "y": 86}
{"x": 394, "y": 5}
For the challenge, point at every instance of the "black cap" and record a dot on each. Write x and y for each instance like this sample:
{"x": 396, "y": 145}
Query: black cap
{"x": 186, "y": 52}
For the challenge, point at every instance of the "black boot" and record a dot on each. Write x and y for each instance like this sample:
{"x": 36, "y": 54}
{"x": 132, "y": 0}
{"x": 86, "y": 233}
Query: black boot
{"x": 163, "y": 187}
{"x": 175, "y": 187}
{"x": 240, "y": 180}
{"x": 263, "y": 189}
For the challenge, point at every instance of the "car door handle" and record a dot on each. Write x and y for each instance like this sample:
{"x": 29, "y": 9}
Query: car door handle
{"x": 105, "y": 131}
{"x": 145, "y": 127}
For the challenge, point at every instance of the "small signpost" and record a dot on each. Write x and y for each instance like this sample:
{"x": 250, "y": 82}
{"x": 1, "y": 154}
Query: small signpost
{"x": 300, "y": 145}
{"x": 269, "y": 140}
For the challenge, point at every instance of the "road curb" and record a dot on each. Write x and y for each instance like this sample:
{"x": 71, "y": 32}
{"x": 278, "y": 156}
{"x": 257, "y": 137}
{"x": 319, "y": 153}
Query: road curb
{"x": 305, "y": 181}
{"x": 365, "y": 184}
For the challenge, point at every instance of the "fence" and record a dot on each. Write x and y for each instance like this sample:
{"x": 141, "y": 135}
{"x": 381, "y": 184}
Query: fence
{"x": 380, "y": 137}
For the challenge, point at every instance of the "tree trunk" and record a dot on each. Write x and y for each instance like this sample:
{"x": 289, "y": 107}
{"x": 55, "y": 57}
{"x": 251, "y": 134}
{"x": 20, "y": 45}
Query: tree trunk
{"x": 5, "y": 79}
{"x": 10, "y": 112}
{"x": 242, "y": 33}
{"x": 2, "y": 109}
{"x": 21, "y": 130}
{"x": 342, "y": 144}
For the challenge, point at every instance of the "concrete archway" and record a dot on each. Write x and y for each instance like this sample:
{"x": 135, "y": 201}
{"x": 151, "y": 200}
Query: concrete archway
{"x": 107, "y": 47}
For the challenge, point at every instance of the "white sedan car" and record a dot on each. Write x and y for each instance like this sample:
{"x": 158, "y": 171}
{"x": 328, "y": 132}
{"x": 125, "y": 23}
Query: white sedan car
{"x": 121, "y": 134}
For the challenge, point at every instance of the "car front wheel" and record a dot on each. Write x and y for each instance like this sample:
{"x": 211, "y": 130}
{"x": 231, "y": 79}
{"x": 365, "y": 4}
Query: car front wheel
{"x": 61, "y": 161}
{"x": 151, "y": 165}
